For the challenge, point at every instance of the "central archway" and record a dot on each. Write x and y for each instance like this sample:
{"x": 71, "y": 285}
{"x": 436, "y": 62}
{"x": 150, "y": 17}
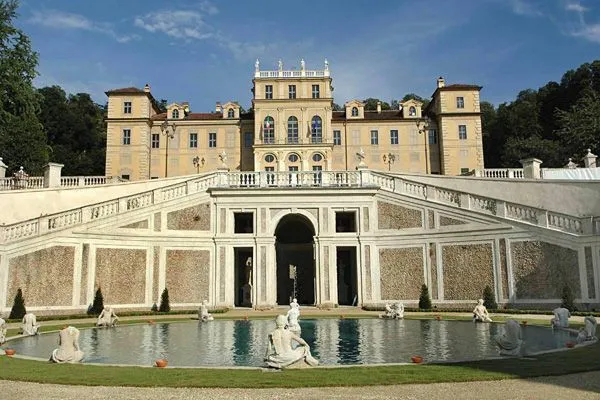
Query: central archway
{"x": 294, "y": 245}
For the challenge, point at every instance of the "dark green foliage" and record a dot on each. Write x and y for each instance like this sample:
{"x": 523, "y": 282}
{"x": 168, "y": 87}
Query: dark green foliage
{"x": 164, "y": 301}
{"x": 568, "y": 301}
{"x": 154, "y": 308}
{"x": 98, "y": 304}
{"x": 489, "y": 299}
{"x": 424, "y": 299}
{"x": 18, "y": 309}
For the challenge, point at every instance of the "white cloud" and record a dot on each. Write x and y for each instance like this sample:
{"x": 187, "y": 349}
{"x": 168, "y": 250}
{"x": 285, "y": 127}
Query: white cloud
{"x": 589, "y": 32}
{"x": 180, "y": 24}
{"x": 575, "y": 7}
{"x": 208, "y": 8}
{"x": 525, "y": 8}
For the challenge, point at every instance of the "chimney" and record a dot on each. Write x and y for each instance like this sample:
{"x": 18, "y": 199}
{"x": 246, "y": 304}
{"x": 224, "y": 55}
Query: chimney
{"x": 378, "y": 107}
{"x": 147, "y": 88}
{"x": 589, "y": 160}
{"x": 218, "y": 107}
{"x": 441, "y": 82}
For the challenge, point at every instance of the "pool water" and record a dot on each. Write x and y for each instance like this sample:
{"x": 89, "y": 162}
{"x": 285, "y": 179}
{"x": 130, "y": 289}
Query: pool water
{"x": 332, "y": 341}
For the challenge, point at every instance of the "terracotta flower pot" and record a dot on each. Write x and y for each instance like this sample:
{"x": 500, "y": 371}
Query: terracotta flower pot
{"x": 523, "y": 323}
{"x": 10, "y": 352}
{"x": 246, "y": 318}
{"x": 416, "y": 359}
{"x": 161, "y": 363}
{"x": 437, "y": 317}
{"x": 570, "y": 345}
{"x": 151, "y": 322}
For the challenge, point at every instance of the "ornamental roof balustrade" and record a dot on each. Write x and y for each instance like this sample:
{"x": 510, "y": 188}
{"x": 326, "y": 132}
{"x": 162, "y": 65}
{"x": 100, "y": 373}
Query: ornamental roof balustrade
{"x": 281, "y": 73}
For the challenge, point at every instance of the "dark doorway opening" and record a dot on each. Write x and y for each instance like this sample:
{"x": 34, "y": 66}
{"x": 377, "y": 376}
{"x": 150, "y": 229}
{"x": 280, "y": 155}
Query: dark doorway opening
{"x": 295, "y": 247}
{"x": 347, "y": 281}
{"x": 243, "y": 270}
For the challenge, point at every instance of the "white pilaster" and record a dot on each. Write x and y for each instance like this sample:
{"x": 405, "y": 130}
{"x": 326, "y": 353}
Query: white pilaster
{"x": 77, "y": 258}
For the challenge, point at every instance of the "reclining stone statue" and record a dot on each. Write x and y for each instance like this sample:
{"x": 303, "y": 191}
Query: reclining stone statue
{"x": 280, "y": 353}
{"x": 588, "y": 333}
{"x": 203, "y": 314}
{"x": 2, "y": 331}
{"x": 107, "y": 318}
{"x": 393, "y": 311}
{"x": 561, "y": 318}
{"x": 292, "y": 317}
{"x": 480, "y": 313}
{"x": 68, "y": 347}
{"x": 30, "y": 325}
{"x": 509, "y": 343}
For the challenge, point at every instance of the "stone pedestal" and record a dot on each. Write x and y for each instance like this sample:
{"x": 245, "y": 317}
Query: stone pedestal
{"x": 589, "y": 160}
{"x": 531, "y": 168}
{"x": 52, "y": 174}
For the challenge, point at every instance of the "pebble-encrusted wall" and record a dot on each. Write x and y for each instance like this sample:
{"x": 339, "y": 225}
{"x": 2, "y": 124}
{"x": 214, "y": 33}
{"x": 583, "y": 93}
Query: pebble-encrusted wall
{"x": 121, "y": 274}
{"x": 589, "y": 268}
{"x": 187, "y": 275}
{"x": 541, "y": 270}
{"x": 45, "y": 276}
{"x": 401, "y": 272}
{"x": 392, "y": 216}
{"x": 467, "y": 269}
{"x": 445, "y": 221}
{"x": 196, "y": 218}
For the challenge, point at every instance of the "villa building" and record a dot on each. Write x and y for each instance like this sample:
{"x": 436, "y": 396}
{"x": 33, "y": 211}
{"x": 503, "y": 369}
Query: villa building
{"x": 293, "y": 127}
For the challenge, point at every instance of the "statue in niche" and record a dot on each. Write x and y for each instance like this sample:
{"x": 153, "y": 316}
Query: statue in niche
{"x": 480, "y": 313}
{"x": 203, "y": 314}
{"x": 247, "y": 287}
{"x": 588, "y": 333}
{"x": 107, "y": 318}
{"x": 293, "y": 315}
{"x": 30, "y": 325}
{"x": 393, "y": 311}
{"x": 561, "y": 318}
{"x": 280, "y": 353}
{"x": 509, "y": 343}
{"x": 68, "y": 347}
{"x": 2, "y": 330}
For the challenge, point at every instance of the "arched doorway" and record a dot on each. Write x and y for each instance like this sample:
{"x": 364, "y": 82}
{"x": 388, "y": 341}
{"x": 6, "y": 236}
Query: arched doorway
{"x": 294, "y": 245}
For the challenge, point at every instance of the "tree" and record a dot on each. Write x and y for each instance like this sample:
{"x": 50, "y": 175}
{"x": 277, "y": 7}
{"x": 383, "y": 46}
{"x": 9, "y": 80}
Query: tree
{"x": 579, "y": 127}
{"x": 22, "y": 140}
{"x": 371, "y": 104}
{"x": 424, "y": 299}
{"x": 98, "y": 304}
{"x": 164, "y": 301}
{"x": 413, "y": 96}
{"x": 568, "y": 301}
{"x": 337, "y": 107}
{"x": 489, "y": 299}
{"x": 18, "y": 309}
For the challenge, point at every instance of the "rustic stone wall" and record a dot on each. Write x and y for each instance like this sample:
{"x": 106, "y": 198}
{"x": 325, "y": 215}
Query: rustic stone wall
{"x": 45, "y": 276}
{"x": 137, "y": 225}
{"x": 503, "y": 268}
{"x": 187, "y": 274}
{"x": 155, "y": 273}
{"x": 83, "y": 300}
{"x": 541, "y": 269}
{"x": 121, "y": 274}
{"x": 433, "y": 290}
{"x": 445, "y": 221}
{"x": 157, "y": 221}
{"x": 467, "y": 270}
{"x": 196, "y": 218}
{"x": 392, "y": 216}
{"x": 401, "y": 272}
{"x": 431, "y": 219}
{"x": 589, "y": 268}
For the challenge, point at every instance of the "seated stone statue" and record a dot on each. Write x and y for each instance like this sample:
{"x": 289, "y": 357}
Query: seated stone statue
{"x": 480, "y": 313}
{"x": 107, "y": 318}
{"x": 393, "y": 311}
{"x": 2, "y": 331}
{"x": 292, "y": 317}
{"x": 399, "y": 309}
{"x": 280, "y": 353}
{"x": 561, "y": 318}
{"x": 509, "y": 343}
{"x": 588, "y": 333}
{"x": 30, "y": 325}
{"x": 203, "y": 314}
{"x": 68, "y": 347}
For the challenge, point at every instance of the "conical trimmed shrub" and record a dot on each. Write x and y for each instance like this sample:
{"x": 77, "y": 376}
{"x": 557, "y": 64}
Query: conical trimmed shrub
{"x": 489, "y": 299}
{"x": 164, "y": 301}
{"x": 424, "y": 299}
{"x": 98, "y": 304}
{"x": 568, "y": 301}
{"x": 18, "y": 309}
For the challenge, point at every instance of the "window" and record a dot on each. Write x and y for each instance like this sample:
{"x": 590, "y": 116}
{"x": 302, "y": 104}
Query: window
{"x": 269, "y": 158}
{"x": 125, "y": 177}
{"x": 412, "y": 111}
{"x": 356, "y": 137}
{"x": 293, "y": 158}
{"x": 354, "y": 112}
{"x": 230, "y": 113}
{"x": 212, "y": 139}
{"x": 315, "y": 91}
{"x": 268, "y": 91}
{"x": 462, "y": 132}
{"x": 155, "y": 140}
{"x": 345, "y": 221}
{"x": 374, "y": 137}
{"x": 194, "y": 140}
{"x": 243, "y": 222}
{"x": 292, "y": 130}
{"x": 126, "y": 136}
{"x": 460, "y": 102}
{"x": 394, "y": 136}
{"x": 317, "y": 157}
{"x": 432, "y": 136}
{"x": 465, "y": 171}
{"x": 316, "y": 132}
{"x": 337, "y": 138}
{"x": 269, "y": 130}
{"x": 292, "y": 91}
{"x": 248, "y": 139}
{"x": 127, "y": 107}
{"x": 175, "y": 114}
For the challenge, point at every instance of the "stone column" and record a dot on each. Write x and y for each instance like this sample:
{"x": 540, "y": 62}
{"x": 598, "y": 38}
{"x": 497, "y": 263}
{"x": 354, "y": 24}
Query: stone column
{"x": 52, "y": 173}
{"x": 3, "y": 168}
{"x": 531, "y": 168}
{"x": 589, "y": 160}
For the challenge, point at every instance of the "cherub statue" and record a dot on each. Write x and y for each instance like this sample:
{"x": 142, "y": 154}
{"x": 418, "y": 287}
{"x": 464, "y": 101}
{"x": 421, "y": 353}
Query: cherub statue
{"x": 280, "y": 353}
{"x": 480, "y": 313}
{"x": 292, "y": 317}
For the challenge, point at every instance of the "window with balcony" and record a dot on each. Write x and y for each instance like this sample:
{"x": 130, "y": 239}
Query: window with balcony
{"x": 193, "y": 140}
{"x": 316, "y": 92}
{"x": 292, "y": 130}
{"x": 268, "y": 92}
{"x": 126, "y": 136}
{"x": 316, "y": 130}
{"x": 175, "y": 114}
{"x": 269, "y": 130}
{"x": 230, "y": 113}
{"x": 292, "y": 91}
{"x": 354, "y": 112}
{"x": 155, "y": 140}
{"x": 212, "y": 139}
{"x": 394, "y": 136}
{"x": 337, "y": 138}
{"x": 460, "y": 102}
{"x": 127, "y": 107}
{"x": 462, "y": 132}
{"x": 374, "y": 137}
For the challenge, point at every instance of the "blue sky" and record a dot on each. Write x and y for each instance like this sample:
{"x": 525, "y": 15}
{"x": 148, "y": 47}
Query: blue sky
{"x": 202, "y": 51}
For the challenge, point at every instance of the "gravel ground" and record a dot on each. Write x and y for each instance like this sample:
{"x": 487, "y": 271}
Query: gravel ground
{"x": 572, "y": 387}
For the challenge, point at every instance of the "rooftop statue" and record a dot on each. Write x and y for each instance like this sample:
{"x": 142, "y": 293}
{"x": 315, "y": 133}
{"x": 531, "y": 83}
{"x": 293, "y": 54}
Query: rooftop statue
{"x": 561, "y": 318}
{"x": 509, "y": 343}
{"x": 107, "y": 318}
{"x": 280, "y": 353}
{"x": 30, "y": 325}
{"x": 480, "y": 313}
{"x": 68, "y": 347}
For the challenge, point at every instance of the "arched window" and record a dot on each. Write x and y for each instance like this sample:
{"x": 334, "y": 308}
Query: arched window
{"x": 412, "y": 111}
{"x": 354, "y": 112}
{"x": 293, "y": 158}
{"x": 317, "y": 157}
{"x": 292, "y": 130}
{"x": 269, "y": 130}
{"x": 230, "y": 113}
{"x": 269, "y": 158}
{"x": 316, "y": 130}
{"x": 175, "y": 114}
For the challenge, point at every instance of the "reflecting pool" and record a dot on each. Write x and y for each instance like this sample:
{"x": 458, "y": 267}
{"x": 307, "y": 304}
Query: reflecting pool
{"x": 332, "y": 341}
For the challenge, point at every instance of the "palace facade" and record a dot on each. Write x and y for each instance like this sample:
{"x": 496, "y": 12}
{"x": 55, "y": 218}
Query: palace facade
{"x": 293, "y": 127}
